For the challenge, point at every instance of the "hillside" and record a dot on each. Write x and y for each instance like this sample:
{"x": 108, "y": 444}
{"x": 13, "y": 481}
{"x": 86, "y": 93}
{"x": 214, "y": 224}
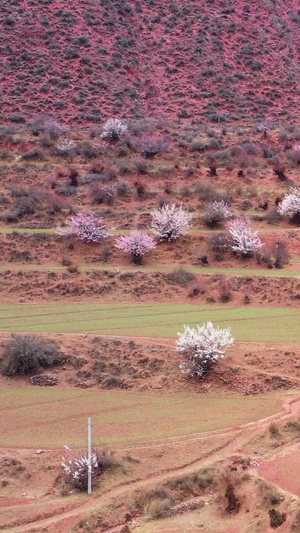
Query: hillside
{"x": 217, "y": 60}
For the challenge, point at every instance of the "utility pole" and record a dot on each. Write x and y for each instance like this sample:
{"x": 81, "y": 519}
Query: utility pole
{"x": 90, "y": 456}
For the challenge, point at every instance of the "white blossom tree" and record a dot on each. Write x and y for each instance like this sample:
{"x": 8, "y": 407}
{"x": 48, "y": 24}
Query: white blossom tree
{"x": 114, "y": 128}
{"x": 243, "y": 238}
{"x": 216, "y": 213}
{"x": 86, "y": 227}
{"x": 170, "y": 222}
{"x": 136, "y": 243}
{"x": 76, "y": 469}
{"x": 65, "y": 145}
{"x": 290, "y": 205}
{"x": 202, "y": 347}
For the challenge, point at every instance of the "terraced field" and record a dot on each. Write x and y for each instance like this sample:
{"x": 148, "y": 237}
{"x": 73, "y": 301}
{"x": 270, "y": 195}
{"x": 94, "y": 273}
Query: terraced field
{"x": 50, "y": 418}
{"x": 151, "y": 320}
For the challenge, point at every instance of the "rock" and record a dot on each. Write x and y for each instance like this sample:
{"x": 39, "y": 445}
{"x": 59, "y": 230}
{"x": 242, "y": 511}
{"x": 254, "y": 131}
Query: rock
{"x": 44, "y": 380}
{"x": 40, "y": 451}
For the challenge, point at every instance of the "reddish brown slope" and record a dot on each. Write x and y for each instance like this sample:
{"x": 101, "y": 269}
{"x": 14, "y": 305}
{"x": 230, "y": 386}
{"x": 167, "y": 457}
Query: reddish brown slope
{"x": 86, "y": 60}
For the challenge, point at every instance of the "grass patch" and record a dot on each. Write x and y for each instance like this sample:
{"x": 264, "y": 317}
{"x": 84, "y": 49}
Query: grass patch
{"x": 154, "y": 320}
{"x": 48, "y": 417}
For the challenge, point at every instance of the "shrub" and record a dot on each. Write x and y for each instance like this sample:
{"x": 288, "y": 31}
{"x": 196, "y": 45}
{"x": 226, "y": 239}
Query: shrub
{"x": 202, "y": 347}
{"x": 86, "y": 227}
{"x": 219, "y": 244}
{"x": 243, "y": 239}
{"x": 77, "y": 467}
{"x": 27, "y": 354}
{"x": 151, "y": 145}
{"x": 276, "y": 518}
{"x": 274, "y": 432}
{"x": 290, "y": 205}
{"x": 170, "y": 222}
{"x": 294, "y": 154}
{"x": 233, "y": 501}
{"x": 179, "y": 276}
{"x": 273, "y": 217}
{"x": 137, "y": 244}
{"x": 123, "y": 188}
{"x": 225, "y": 291}
{"x": 274, "y": 254}
{"x": 216, "y": 213}
{"x": 102, "y": 194}
{"x": 47, "y": 124}
{"x": 156, "y": 508}
{"x": 114, "y": 128}
{"x": 205, "y": 191}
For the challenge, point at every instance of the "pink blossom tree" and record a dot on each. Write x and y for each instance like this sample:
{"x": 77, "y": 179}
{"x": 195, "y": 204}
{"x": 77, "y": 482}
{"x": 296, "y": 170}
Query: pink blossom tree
{"x": 137, "y": 243}
{"x": 202, "y": 347}
{"x": 170, "y": 222}
{"x": 87, "y": 227}
{"x": 243, "y": 239}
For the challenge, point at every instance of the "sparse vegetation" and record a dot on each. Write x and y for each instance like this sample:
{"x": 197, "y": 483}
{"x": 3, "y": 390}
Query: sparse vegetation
{"x": 27, "y": 354}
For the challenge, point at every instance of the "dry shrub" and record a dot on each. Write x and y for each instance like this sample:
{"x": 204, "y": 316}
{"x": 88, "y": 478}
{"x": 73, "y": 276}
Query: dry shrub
{"x": 192, "y": 484}
{"x": 268, "y": 493}
{"x": 233, "y": 500}
{"x": 205, "y": 191}
{"x": 276, "y": 518}
{"x": 26, "y": 354}
{"x": 180, "y": 276}
{"x": 295, "y": 525}
{"x": 219, "y": 245}
{"x": 225, "y": 294}
{"x": 274, "y": 254}
{"x": 142, "y": 500}
{"x": 156, "y": 508}
{"x": 274, "y": 430}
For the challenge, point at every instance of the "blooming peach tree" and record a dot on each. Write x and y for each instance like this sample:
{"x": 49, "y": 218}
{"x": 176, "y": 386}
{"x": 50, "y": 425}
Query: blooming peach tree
{"x": 170, "y": 222}
{"x": 114, "y": 128}
{"x": 243, "y": 238}
{"x": 136, "y": 243}
{"x": 86, "y": 227}
{"x": 202, "y": 347}
{"x": 76, "y": 469}
{"x": 290, "y": 205}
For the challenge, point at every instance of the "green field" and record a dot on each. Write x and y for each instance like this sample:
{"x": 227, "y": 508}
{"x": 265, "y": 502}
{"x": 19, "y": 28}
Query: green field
{"x": 53, "y": 417}
{"x": 151, "y": 320}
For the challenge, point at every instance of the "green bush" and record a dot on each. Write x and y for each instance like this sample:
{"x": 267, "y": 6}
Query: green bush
{"x": 27, "y": 354}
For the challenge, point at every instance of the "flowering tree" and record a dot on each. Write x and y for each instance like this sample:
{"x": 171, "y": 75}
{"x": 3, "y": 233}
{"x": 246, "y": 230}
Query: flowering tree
{"x": 76, "y": 469}
{"x": 151, "y": 145}
{"x": 137, "y": 244}
{"x": 294, "y": 154}
{"x": 87, "y": 227}
{"x": 215, "y": 213}
{"x": 170, "y": 222}
{"x": 202, "y": 347}
{"x": 243, "y": 238}
{"x": 290, "y": 205}
{"x": 47, "y": 124}
{"x": 266, "y": 126}
{"x": 114, "y": 128}
{"x": 65, "y": 145}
